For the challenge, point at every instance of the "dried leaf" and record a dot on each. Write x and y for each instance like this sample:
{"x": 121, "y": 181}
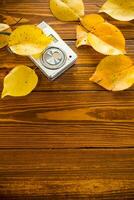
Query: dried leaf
{"x": 19, "y": 82}
{"x": 103, "y": 36}
{"x": 111, "y": 35}
{"x": 28, "y": 40}
{"x": 5, "y": 31}
{"x": 67, "y": 10}
{"x": 91, "y": 21}
{"x": 82, "y": 36}
{"x": 114, "y": 73}
{"x": 38, "y": 56}
{"x": 4, "y": 27}
{"x": 101, "y": 46}
{"x": 122, "y": 10}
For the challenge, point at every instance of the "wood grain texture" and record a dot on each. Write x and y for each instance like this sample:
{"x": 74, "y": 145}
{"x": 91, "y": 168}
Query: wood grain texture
{"x": 68, "y": 107}
{"x": 69, "y": 139}
{"x": 68, "y": 119}
{"x": 59, "y": 136}
{"x": 67, "y": 174}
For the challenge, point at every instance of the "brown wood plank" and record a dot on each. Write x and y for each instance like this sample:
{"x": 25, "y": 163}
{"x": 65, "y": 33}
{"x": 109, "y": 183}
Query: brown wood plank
{"x": 40, "y": 10}
{"x": 68, "y": 108}
{"x": 92, "y": 174}
{"x": 76, "y": 78}
{"x": 69, "y": 120}
{"x": 93, "y": 134}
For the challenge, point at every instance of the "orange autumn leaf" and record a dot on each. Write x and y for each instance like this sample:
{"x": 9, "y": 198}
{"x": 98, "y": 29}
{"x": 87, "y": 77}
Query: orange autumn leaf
{"x": 102, "y": 36}
{"x": 115, "y": 73}
{"x": 91, "y": 21}
{"x": 110, "y": 34}
{"x": 101, "y": 46}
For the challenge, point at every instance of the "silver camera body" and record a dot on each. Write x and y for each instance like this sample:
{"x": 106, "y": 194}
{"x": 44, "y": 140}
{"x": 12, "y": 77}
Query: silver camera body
{"x": 57, "y": 58}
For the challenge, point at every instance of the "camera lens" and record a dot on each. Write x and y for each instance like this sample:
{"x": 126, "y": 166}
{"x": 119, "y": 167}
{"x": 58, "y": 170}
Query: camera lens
{"x": 53, "y": 58}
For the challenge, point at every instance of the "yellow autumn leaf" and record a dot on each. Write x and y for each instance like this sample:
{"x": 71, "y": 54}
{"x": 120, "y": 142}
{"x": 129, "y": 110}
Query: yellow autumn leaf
{"x": 102, "y": 36}
{"x": 111, "y": 35}
{"x": 90, "y": 21}
{"x": 101, "y": 46}
{"x": 122, "y": 10}
{"x": 5, "y": 31}
{"x": 37, "y": 56}
{"x": 20, "y": 81}
{"x": 67, "y": 10}
{"x": 82, "y": 36}
{"x": 28, "y": 40}
{"x": 115, "y": 73}
{"x": 4, "y": 27}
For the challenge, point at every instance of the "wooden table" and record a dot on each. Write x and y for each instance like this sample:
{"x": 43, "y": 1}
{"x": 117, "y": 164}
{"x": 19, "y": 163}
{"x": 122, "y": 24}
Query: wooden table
{"x": 68, "y": 139}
